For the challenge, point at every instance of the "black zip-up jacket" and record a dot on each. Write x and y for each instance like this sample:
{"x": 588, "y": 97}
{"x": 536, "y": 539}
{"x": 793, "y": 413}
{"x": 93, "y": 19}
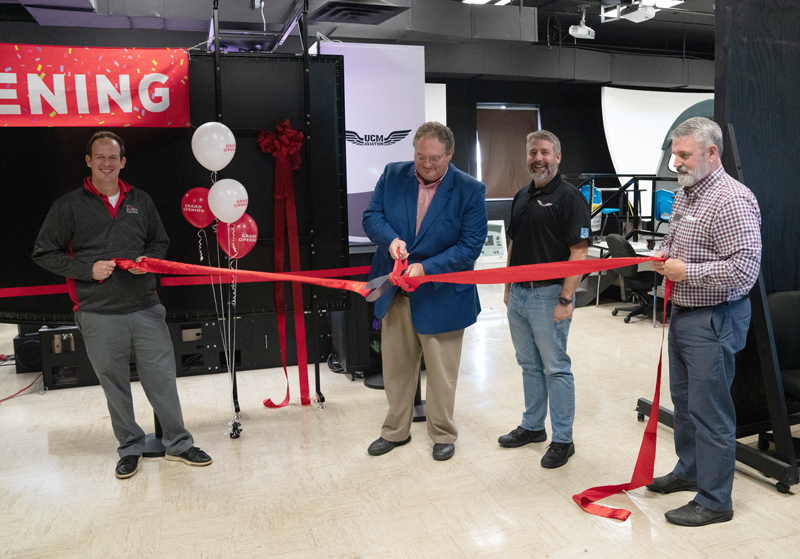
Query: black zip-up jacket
{"x": 80, "y": 230}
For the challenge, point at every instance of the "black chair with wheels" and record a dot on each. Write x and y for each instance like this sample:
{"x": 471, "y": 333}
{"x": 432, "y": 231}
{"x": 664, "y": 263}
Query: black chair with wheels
{"x": 637, "y": 284}
{"x": 784, "y": 310}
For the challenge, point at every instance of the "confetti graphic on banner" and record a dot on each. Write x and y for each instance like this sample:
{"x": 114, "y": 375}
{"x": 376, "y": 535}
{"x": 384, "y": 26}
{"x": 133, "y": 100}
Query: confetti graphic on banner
{"x": 84, "y": 86}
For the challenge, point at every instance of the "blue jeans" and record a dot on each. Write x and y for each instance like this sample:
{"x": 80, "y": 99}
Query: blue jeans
{"x": 702, "y": 346}
{"x": 541, "y": 348}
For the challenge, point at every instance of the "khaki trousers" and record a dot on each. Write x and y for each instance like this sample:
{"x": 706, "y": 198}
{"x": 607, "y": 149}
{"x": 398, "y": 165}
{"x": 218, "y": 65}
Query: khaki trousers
{"x": 402, "y": 348}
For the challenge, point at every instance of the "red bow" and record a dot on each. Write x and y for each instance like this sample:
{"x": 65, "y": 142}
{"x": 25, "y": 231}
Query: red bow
{"x": 287, "y": 142}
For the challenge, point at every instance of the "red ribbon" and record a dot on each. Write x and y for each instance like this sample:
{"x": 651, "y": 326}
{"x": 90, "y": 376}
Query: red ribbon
{"x": 529, "y": 272}
{"x": 205, "y": 280}
{"x": 285, "y": 147}
{"x": 643, "y": 471}
{"x": 645, "y": 462}
{"x": 33, "y": 290}
{"x": 156, "y": 266}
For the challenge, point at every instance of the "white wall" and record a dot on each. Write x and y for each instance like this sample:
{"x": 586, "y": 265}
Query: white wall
{"x": 436, "y": 102}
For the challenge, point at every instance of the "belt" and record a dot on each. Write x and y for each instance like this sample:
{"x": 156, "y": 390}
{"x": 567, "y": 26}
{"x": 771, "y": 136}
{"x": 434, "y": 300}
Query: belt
{"x": 535, "y": 284}
{"x": 689, "y": 309}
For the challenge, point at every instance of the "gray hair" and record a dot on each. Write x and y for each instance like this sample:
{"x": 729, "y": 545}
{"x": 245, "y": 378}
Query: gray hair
{"x": 706, "y": 132}
{"x": 545, "y": 135}
{"x": 438, "y": 131}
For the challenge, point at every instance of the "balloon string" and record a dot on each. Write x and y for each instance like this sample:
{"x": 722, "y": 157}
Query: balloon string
{"x": 233, "y": 264}
{"x": 200, "y": 234}
{"x": 221, "y": 321}
{"x": 232, "y": 242}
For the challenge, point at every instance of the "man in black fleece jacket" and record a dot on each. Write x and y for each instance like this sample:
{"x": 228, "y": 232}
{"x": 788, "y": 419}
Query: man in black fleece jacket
{"x": 118, "y": 312}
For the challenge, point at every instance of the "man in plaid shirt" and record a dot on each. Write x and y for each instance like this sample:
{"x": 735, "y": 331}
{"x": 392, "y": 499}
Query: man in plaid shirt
{"x": 714, "y": 254}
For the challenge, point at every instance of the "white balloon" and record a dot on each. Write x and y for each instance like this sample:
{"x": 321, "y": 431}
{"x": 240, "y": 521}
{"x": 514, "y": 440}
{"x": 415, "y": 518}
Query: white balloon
{"x": 213, "y": 145}
{"x": 227, "y": 200}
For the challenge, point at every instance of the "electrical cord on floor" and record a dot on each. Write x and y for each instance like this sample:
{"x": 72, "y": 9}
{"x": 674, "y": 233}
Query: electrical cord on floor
{"x": 24, "y": 389}
{"x": 334, "y": 364}
{"x": 7, "y": 360}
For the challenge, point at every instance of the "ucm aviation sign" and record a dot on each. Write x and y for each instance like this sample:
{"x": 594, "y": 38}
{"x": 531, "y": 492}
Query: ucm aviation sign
{"x": 374, "y": 139}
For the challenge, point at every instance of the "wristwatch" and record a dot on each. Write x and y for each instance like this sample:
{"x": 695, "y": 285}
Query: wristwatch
{"x": 564, "y": 301}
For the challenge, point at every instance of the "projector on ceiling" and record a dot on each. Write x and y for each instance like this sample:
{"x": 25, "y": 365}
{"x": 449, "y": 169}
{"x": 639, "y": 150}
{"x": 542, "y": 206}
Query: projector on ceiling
{"x": 581, "y": 31}
{"x": 638, "y": 13}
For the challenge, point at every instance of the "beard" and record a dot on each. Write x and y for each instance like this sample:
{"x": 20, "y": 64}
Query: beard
{"x": 542, "y": 176}
{"x": 690, "y": 177}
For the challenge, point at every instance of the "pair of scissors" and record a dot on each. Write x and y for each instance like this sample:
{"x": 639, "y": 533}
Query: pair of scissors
{"x": 381, "y": 284}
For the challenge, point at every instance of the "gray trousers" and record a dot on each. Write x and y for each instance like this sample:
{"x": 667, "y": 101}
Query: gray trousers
{"x": 702, "y": 363}
{"x": 111, "y": 341}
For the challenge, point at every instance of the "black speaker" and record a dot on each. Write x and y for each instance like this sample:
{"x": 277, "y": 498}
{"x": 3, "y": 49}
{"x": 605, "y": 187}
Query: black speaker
{"x": 28, "y": 353}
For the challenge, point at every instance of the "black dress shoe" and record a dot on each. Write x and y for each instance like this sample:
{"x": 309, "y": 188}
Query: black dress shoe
{"x": 671, "y": 484}
{"x": 382, "y": 446}
{"x": 521, "y": 436}
{"x": 443, "y": 451}
{"x": 557, "y": 454}
{"x": 694, "y": 514}
{"x": 193, "y": 457}
{"x": 127, "y": 466}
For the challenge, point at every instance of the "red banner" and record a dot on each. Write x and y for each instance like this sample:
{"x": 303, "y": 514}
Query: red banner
{"x": 85, "y": 86}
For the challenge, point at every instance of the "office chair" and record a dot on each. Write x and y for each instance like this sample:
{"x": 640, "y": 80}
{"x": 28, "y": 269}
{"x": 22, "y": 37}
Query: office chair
{"x": 598, "y": 199}
{"x": 784, "y": 309}
{"x": 663, "y": 205}
{"x": 639, "y": 283}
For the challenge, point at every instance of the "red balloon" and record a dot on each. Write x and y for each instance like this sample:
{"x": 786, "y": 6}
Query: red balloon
{"x": 238, "y": 238}
{"x": 195, "y": 208}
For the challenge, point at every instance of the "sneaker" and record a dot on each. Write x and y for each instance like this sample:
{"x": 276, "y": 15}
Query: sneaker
{"x": 521, "y": 436}
{"x": 127, "y": 466}
{"x": 557, "y": 454}
{"x": 193, "y": 457}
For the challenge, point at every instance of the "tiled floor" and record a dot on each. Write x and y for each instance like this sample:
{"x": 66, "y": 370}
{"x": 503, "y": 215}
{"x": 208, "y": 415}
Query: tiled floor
{"x": 299, "y": 482}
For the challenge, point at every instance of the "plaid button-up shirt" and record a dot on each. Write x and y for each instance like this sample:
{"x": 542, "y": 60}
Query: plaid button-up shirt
{"x": 715, "y": 227}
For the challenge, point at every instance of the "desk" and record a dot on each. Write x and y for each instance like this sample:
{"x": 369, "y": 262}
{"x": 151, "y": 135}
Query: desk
{"x": 599, "y": 250}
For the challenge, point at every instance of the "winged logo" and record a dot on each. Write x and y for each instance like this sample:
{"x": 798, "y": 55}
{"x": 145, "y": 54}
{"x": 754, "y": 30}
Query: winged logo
{"x": 374, "y": 139}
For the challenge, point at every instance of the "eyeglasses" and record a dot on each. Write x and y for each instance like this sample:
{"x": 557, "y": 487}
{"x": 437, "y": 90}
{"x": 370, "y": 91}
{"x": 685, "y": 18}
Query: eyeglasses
{"x": 434, "y": 159}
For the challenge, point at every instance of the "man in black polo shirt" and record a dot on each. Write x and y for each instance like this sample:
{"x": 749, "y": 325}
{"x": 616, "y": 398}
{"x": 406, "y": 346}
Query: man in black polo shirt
{"x": 550, "y": 222}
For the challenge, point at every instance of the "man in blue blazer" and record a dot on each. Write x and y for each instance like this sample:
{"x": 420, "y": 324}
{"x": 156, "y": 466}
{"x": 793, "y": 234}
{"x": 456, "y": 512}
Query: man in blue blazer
{"x": 434, "y": 215}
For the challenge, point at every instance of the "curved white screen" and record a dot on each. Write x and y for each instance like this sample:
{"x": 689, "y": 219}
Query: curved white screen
{"x": 636, "y": 123}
